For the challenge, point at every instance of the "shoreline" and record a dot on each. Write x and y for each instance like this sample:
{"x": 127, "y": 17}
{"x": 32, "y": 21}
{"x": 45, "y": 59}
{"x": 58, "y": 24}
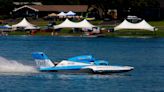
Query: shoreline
{"x": 142, "y": 37}
{"x": 133, "y": 34}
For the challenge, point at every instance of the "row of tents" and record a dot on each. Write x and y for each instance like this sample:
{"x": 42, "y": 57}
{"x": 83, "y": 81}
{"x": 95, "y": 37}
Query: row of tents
{"x": 65, "y": 24}
{"x": 86, "y": 24}
{"x": 70, "y": 13}
{"x": 69, "y": 24}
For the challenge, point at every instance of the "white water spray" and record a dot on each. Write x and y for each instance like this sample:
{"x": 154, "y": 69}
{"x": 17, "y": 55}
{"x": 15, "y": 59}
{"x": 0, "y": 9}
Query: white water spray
{"x": 12, "y": 66}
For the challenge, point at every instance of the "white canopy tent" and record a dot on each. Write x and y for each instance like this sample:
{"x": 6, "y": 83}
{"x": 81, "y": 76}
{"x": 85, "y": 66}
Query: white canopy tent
{"x": 24, "y": 24}
{"x": 65, "y": 24}
{"x": 52, "y": 15}
{"x": 141, "y": 25}
{"x": 8, "y": 26}
{"x": 87, "y": 25}
{"x": 5, "y": 28}
{"x": 69, "y": 24}
{"x": 70, "y": 13}
{"x": 62, "y": 14}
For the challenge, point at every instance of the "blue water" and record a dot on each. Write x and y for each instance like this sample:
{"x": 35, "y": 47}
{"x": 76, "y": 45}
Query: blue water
{"x": 18, "y": 72}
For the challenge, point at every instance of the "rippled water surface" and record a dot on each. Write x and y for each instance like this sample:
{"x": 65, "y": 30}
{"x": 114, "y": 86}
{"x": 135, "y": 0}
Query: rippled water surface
{"x": 19, "y": 74}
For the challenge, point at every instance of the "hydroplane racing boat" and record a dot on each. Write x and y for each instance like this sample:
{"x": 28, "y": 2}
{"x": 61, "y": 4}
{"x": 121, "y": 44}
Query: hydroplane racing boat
{"x": 85, "y": 63}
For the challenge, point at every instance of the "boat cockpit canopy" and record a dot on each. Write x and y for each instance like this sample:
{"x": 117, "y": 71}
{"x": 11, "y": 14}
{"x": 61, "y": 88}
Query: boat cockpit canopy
{"x": 101, "y": 62}
{"x": 84, "y": 59}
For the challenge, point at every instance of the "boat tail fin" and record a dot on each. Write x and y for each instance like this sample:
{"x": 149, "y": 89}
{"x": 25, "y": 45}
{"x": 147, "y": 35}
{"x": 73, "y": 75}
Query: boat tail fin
{"x": 42, "y": 60}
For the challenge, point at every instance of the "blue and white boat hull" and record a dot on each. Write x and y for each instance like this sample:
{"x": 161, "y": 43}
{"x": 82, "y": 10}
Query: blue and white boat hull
{"x": 79, "y": 64}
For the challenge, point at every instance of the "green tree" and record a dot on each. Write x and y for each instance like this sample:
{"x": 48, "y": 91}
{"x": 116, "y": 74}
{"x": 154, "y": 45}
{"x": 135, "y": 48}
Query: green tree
{"x": 6, "y": 6}
{"x": 139, "y": 6}
{"x": 102, "y": 6}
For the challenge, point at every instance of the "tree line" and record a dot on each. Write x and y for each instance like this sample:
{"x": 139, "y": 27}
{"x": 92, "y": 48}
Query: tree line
{"x": 134, "y": 6}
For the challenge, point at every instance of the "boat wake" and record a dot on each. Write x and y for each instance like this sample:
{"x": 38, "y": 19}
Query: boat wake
{"x": 12, "y": 66}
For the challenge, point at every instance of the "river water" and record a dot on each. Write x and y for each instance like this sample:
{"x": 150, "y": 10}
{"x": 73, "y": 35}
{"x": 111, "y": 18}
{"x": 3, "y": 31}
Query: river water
{"x": 19, "y": 74}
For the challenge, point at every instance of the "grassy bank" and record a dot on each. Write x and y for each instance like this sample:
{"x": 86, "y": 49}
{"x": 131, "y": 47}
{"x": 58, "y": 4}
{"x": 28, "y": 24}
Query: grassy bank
{"x": 66, "y": 32}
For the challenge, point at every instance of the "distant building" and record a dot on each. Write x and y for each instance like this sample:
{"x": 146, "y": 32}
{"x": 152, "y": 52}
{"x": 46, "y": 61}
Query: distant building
{"x": 25, "y": 9}
{"x": 43, "y": 10}
{"x": 26, "y": 3}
